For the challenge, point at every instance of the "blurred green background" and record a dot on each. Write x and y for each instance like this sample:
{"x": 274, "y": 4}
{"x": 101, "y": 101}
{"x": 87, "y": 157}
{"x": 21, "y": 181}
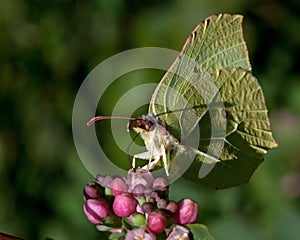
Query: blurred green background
{"x": 47, "y": 48}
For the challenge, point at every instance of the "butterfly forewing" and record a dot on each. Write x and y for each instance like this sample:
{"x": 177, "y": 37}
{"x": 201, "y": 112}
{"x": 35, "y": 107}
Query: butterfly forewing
{"x": 216, "y": 43}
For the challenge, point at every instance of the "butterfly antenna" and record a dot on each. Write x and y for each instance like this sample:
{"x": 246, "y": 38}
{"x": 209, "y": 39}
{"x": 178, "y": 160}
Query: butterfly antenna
{"x": 99, "y": 118}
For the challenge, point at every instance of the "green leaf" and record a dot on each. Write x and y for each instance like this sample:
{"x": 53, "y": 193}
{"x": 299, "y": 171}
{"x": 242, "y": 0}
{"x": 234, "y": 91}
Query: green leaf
{"x": 210, "y": 86}
{"x": 200, "y": 231}
{"x": 118, "y": 236}
{"x": 138, "y": 219}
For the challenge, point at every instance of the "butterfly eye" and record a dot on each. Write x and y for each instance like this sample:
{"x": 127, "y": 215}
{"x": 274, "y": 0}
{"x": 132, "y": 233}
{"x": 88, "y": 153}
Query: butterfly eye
{"x": 144, "y": 124}
{"x": 140, "y": 123}
{"x": 148, "y": 125}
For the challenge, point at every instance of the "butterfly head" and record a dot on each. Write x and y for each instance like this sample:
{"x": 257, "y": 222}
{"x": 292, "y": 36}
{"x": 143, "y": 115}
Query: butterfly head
{"x": 143, "y": 124}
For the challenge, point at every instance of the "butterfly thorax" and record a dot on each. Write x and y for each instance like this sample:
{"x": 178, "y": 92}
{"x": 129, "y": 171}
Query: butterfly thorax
{"x": 155, "y": 135}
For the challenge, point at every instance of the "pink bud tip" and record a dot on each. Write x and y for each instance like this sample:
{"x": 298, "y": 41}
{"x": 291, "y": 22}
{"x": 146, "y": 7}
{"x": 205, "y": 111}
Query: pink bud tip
{"x": 124, "y": 205}
{"x": 187, "y": 211}
{"x": 96, "y": 210}
{"x": 118, "y": 186}
{"x": 157, "y": 221}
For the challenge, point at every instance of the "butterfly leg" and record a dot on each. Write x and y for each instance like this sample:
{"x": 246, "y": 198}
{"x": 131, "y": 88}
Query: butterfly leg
{"x": 165, "y": 161}
{"x": 151, "y": 164}
{"x": 144, "y": 155}
{"x": 157, "y": 159}
{"x": 133, "y": 162}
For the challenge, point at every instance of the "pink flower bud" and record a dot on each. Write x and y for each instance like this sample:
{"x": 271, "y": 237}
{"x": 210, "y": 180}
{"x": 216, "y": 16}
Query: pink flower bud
{"x": 147, "y": 207}
{"x": 178, "y": 232}
{"x": 139, "y": 176}
{"x": 157, "y": 221}
{"x": 138, "y": 191}
{"x": 118, "y": 186}
{"x": 160, "y": 187}
{"x": 160, "y": 183}
{"x": 155, "y": 196}
{"x": 124, "y": 205}
{"x": 161, "y": 203}
{"x": 171, "y": 207}
{"x": 187, "y": 211}
{"x": 140, "y": 233}
{"x": 96, "y": 210}
{"x": 104, "y": 181}
{"x": 90, "y": 191}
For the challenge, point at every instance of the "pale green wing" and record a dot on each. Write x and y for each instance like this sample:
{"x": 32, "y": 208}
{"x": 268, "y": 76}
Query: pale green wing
{"x": 242, "y": 145}
{"x": 209, "y": 85}
{"x": 216, "y": 43}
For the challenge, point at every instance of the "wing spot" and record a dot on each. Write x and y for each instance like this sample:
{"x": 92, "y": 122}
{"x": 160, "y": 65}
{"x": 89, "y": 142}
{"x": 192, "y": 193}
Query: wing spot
{"x": 224, "y": 113}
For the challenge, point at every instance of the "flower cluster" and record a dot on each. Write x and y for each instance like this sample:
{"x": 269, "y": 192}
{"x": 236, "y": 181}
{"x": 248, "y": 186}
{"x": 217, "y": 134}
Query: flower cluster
{"x": 138, "y": 207}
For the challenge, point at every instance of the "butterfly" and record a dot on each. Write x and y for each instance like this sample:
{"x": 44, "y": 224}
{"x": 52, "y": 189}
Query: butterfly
{"x": 208, "y": 109}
